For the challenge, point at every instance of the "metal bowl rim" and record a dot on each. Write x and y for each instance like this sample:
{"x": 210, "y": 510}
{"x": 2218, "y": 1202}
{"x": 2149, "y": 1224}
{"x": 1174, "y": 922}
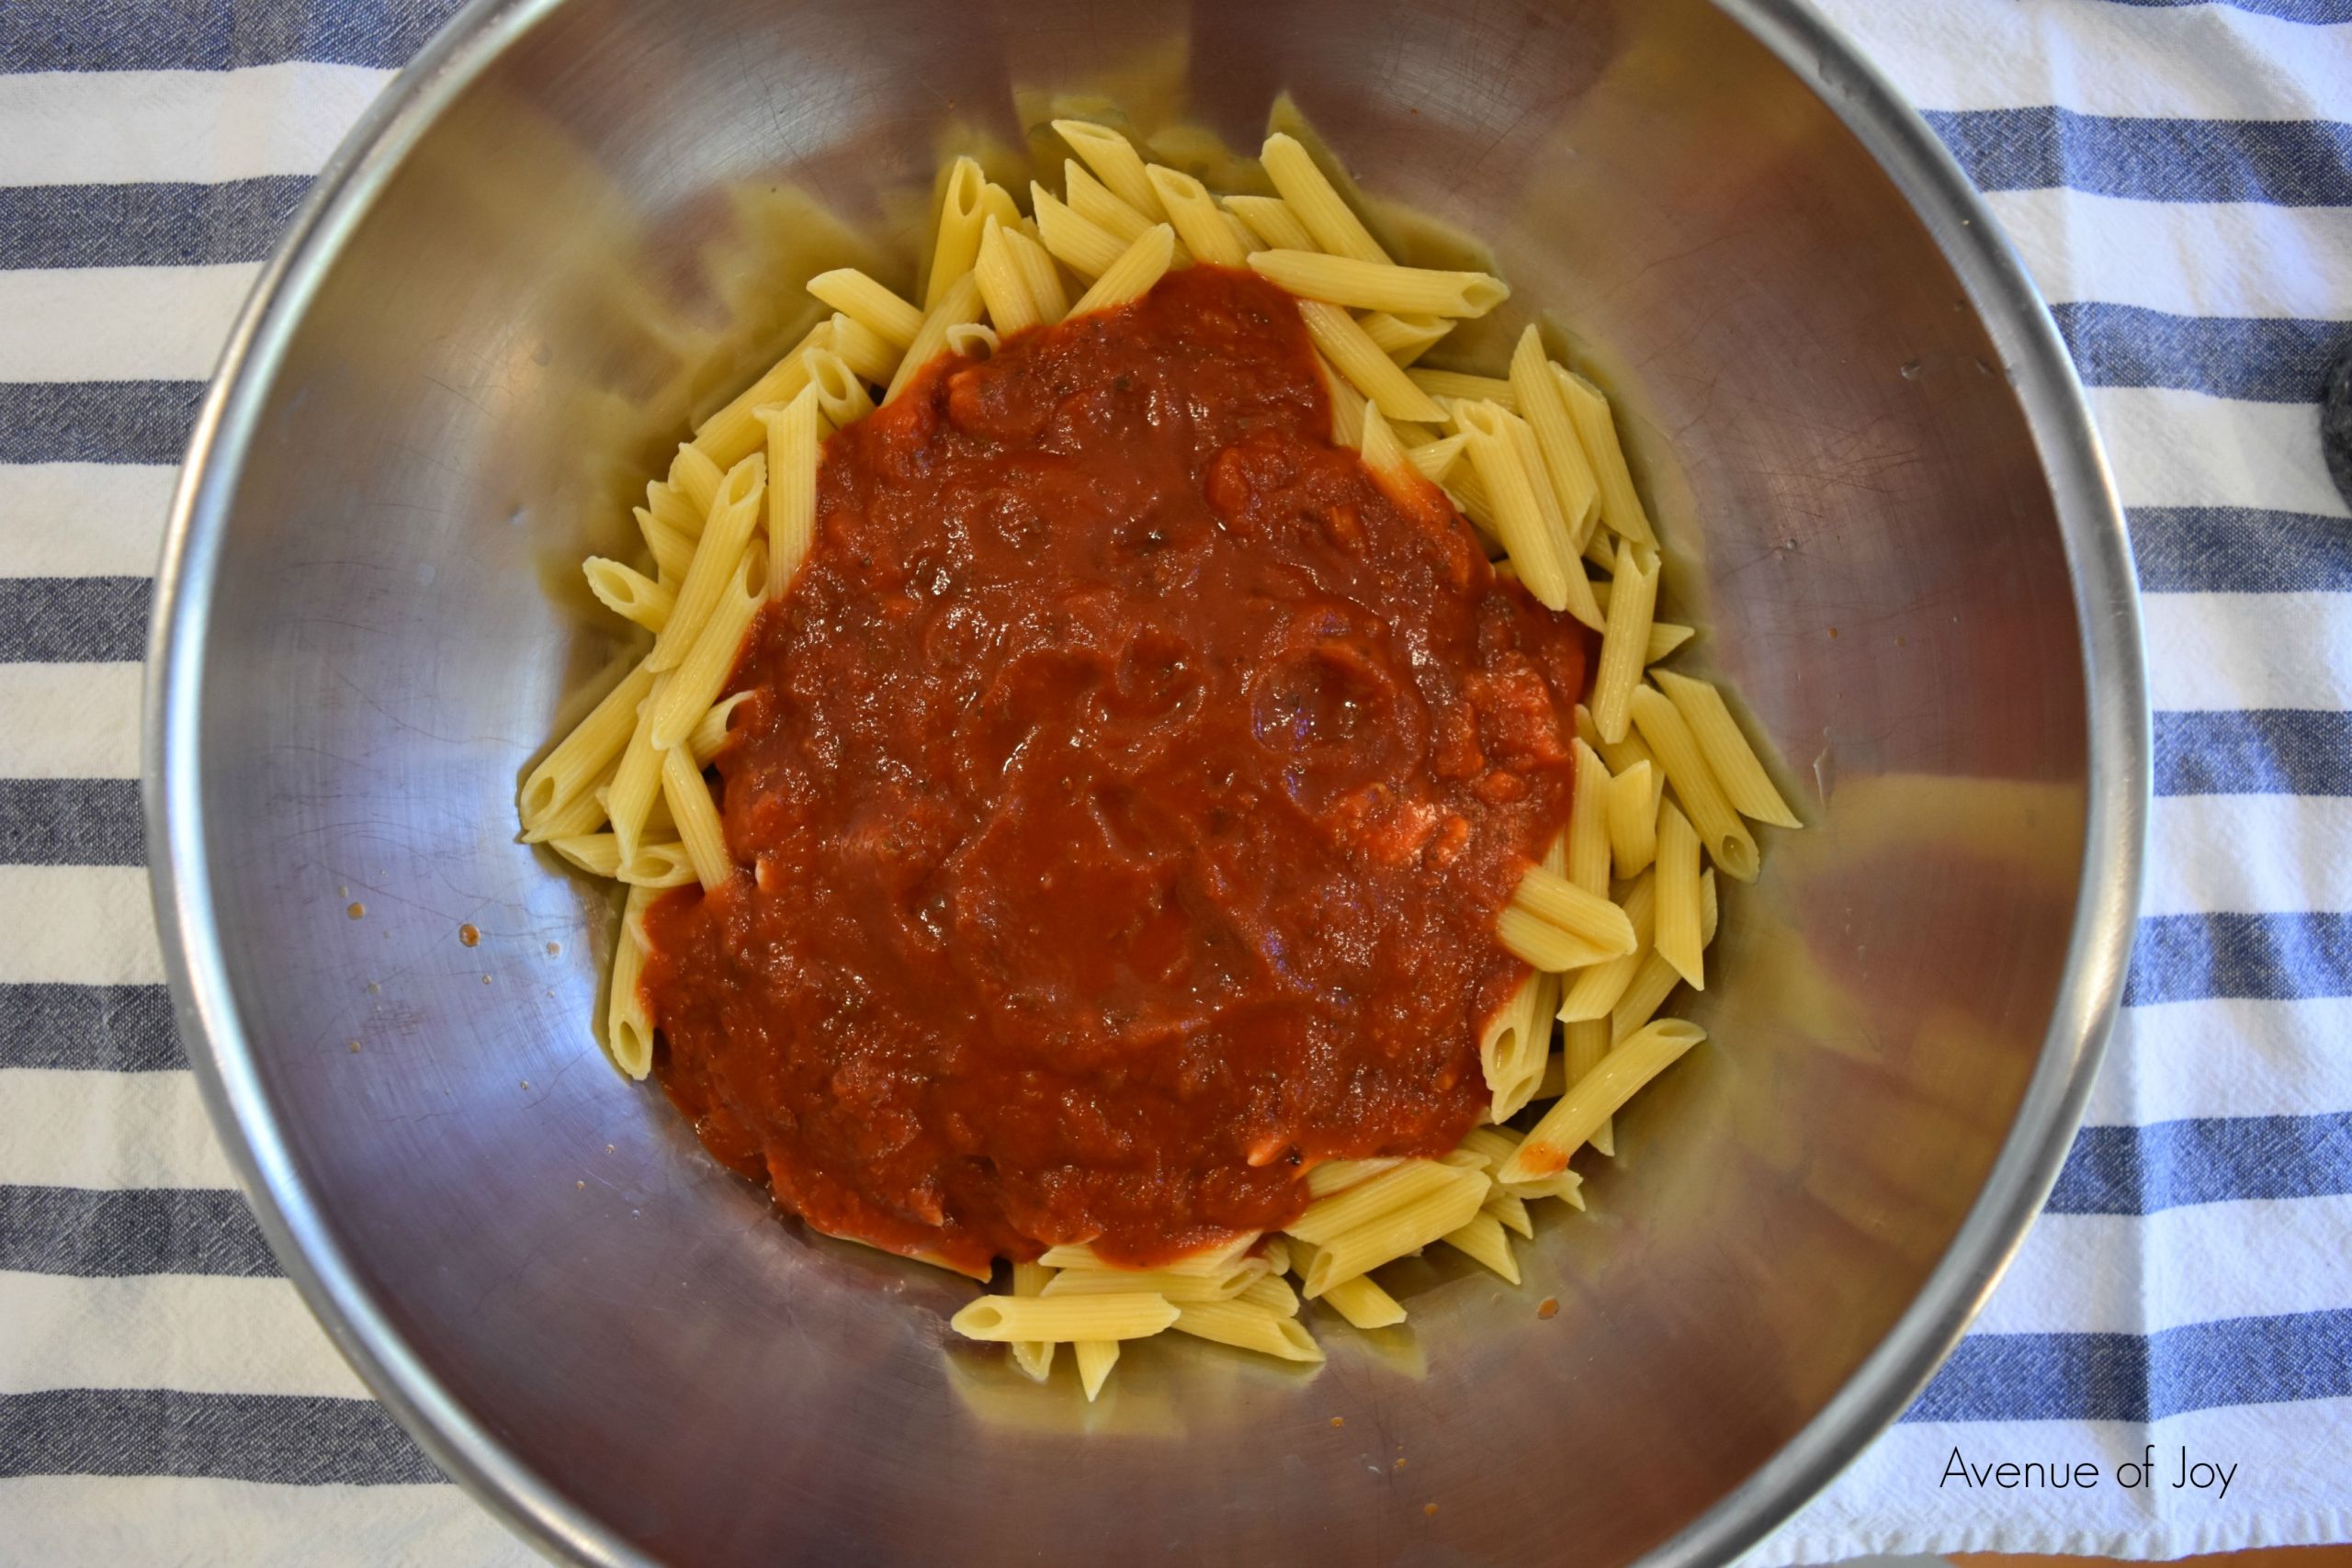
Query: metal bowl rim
{"x": 2098, "y": 553}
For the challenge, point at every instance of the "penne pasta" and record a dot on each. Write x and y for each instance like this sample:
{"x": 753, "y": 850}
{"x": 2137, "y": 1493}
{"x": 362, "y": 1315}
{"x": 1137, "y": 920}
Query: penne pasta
{"x": 1482, "y": 1240}
{"x": 1005, "y": 1319}
{"x": 1587, "y": 917}
{"x": 732, "y": 433}
{"x": 1393, "y": 1233}
{"x": 1515, "y": 1044}
{"x": 1581, "y": 602}
{"x": 628, "y": 1028}
{"x": 566, "y": 773}
{"x": 870, "y": 304}
{"x": 971, "y": 339}
{"x": 1271, "y": 218}
{"x": 1728, "y": 755}
{"x": 1592, "y": 991}
{"x": 1538, "y": 942}
{"x": 1358, "y": 358}
{"x": 1085, "y": 248}
{"x": 792, "y": 488}
{"x": 1115, "y": 162}
{"x": 1223, "y": 1286}
{"x": 1632, "y": 819}
{"x": 1101, "y": 206}
{"x": 958, "y": 304}
{"x": 1598, "y": 1096}
{"x": 1729, "y": 844}
{"x": 696, "y": 817}
{"x": 1665, "y": 637}
{"x": 1271, "y": 1293}
{"x": 1436, "y": 460}
{"x": 1207, "y": 1260}
{"x": 1196, "y": 218}
{"x": 955, "y": 241}
{"x": 1039, "y": 273}
{"x": 1587, "y": 862}
{"x": 1596, "y": 427}
{"x": 1353, "y": 1205}
{"x": 1624, "y": 638}
{"x": 710, "y": 730}
{"x": 1371, "y": 286}
{"x": 1656, "y": 980}
{"x": 1564, "y": 466}
{"x": 841, "y": 397}
{"x": 638, "y": 780}
{"x": 1139, "y": 266}
{"x": 1095, "y": 1358}
{"x": 871, "y": 357}
{"x": 1248, "y": 1327}
{"x": 663, "y": 499}
{"x": 629, "y": 592}
{"x": 1316, "y": 203}
{"x": 1404, "y": 338}
{"x": 1364, "y": 1304}
{"x": 1338, "y": 1175}
{"x": 1511, "y": 497}
{"x": 581, "y": 815}
{"x": 599, "y": 855}
{"x": 689, "y": 690}
{"x": 673, "y": 551}
{"x": 733, "y": 515}
{"x": 1003, "y": 290}
{"x": 1509, "y": 1210}
{"x": 1583, "y": 1045}
{"x": 1467, "y": 387}
{"x": 1033, "y": 1357}
{"x": 1677, "y": 940}
{"x": 694, "y": 480}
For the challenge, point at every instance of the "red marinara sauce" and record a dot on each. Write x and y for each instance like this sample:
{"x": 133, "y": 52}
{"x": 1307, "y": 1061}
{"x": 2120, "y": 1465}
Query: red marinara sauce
{"x": 1129, "y": 788}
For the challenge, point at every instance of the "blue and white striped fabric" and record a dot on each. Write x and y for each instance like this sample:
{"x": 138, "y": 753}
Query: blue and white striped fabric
{"x": 2174, "y": 176}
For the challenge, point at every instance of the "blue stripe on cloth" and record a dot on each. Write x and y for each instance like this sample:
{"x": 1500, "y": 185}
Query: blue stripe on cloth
{"x": 118, "y": 1232}
{"x": 2316, "y": 11}
{"x": 2130, "y": 1377}
{"x": 75, "y": 620}
{"x": 97, "y": 421}
{"x": 102, "y": 1029}
{"x": 2274, "y": 958}
{"x": 282, "y": 1439}
{"x": 2238, "y": 550}
{"x": 145, "y": 225}
{"x": 176, "y": 35}
{"x": 2254, "y": 752}
{"x": 71, "y": 822}
{"x": 2266, "y": 359}
{"x": 2287, "y": 162}
{"x": 2215, "y": 1159}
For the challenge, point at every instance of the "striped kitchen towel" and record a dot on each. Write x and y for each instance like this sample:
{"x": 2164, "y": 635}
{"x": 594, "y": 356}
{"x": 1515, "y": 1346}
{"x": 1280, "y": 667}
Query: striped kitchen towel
{"x": 2176, "y": 181}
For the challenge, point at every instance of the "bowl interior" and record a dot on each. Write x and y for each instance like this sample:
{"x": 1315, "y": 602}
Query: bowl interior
{"x": 602, "y": 236}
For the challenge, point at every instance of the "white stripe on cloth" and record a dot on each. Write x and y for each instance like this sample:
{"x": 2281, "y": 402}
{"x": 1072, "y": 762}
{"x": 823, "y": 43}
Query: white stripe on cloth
{"x": 201, "y": 127}
{"x": 82, "y": 520}
{"x": 2171, "y": 448}
{"x": 103, "y": 1522}
{"x": 48, "y": 710}
{"x": 129, "y": 323}
{"x": 2187, "y": 60}
{"x": 2285, "y": 261}
{"x": 2229, "y": 1057}
{"x": 79, "y": 925}
{"x": 2090, "y": 1273}
{"x": 198, "y": 1333}
{"x": 2248, "y": 650}
{"x": 2247, "y": 854}
{"x": 108, "y": 1130}
{"x": 1892, "y": 1500}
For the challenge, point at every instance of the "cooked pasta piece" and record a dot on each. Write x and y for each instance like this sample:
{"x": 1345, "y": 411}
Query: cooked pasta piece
{"x": 733, "y": 516}
{"x": 1625, "y": 639}
{"x": 672, "y": 550}
{"x": 955, "y": 243}
{"x": 695, "y": 479}
{"x": 628, "y": 1028}
{"x": 689, "y": 690}
{"x": 1347, "y": 405}
{"x": 696, "y": 817}
{"x": 1564, "y": 465}
{"x": 1115, "y": 162}
{"x": 1632, "y": 819}
{"x": 1678, "y": 898}
{"x": 1207, "y": 1260}
{"x": 1316, "y": 203}
{"x": 1373, "y": 285}
{"x": 1197, "y": 218}
{"x": 1665, "y": 637}
{"x": 1587, "y": 861}
{"x": 1511, "y": 497}
{"x": 1590, "y": 992}
{"x": 1587, "y": 917}
{"x": 1275, "y": 1250}
{"x": 1468, "y": 388}
{"x": 1352, "y": 1205}
{"x": 870, "y": 304}
{"x": 1598, "y": 1095}
{"x": 566, "y": 773}
{"x": 1620, "y": 505}
{"x": 629, "y": 592}
{"x": 1101, "y": 206}
{"x": 1095, "y": 1360}
{"x": 1538, "y": 942}
{"x": 1655, "y": 981}
{"x": 1358, "y": 358}
{"x": 1728, "y": 755}
{"x": 1086, "y": 248}
{"x": 1005, "y": 1319}
{"x": 1248, "y": 1327}
{"x": 1516, "y": 1042}
{"x": 1271, "y": 1293}
{"x": 710, "y": 731}
{"x": 583, "y": 813}
{"x": 1621, "y": 755}
{"x": 1581, "y": 603}
{"x": 654, "y": 866}
{"x": 1583, "y": 1045}
{"x": 1338, "y": 1175}
{"x": 1139, "y": 266}
{"x": 663, "y": 499}
{"x": 971, "y": 339}
{"x": 958, "y": 304}
{"x": 1482, "y": 1240}
{"x": 1391, "y": 1233}
{"x": 1272, "y": 220}
{"x": 841, "y": 397}
{"x": 1436, "y": 460}
{"x": 638, "y": 780}
{"x": 1223, "y": 1286}
{"x": 1364, "y": 1304}
{"x": 1404, "y": 338}
{"x": 1033, "y": 1357}
{"x": 732, "y": 433}
{"x": 1728, "y": 842}
{"x": 1039, "y": 273}
{"x": 793, "y": 437}
{"x": 1003, "y": 289}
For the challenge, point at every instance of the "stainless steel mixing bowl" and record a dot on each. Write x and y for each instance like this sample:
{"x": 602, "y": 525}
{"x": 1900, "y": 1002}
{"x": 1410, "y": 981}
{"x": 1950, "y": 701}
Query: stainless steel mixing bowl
{"x": 575, "y": 222}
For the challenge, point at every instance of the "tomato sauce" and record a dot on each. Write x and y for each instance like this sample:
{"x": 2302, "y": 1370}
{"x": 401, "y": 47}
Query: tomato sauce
{"x": 1128, "y": 789}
